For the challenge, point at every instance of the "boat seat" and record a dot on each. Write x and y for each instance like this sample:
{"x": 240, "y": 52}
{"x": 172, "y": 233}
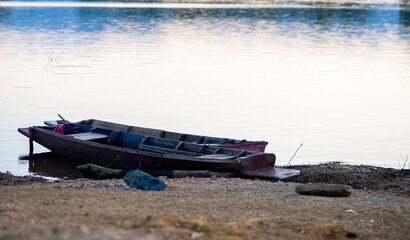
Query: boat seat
{"x": 217, "y": 156}
{"x": 164, "y": 150}
{"x": 88, "y": 136}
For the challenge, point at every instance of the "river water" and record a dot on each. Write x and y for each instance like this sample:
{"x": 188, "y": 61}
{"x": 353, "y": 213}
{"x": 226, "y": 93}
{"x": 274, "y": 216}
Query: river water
{"x": 334, "y": 75}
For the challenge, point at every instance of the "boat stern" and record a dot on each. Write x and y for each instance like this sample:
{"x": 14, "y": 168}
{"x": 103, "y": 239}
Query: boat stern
{"x": 263, "y": 166}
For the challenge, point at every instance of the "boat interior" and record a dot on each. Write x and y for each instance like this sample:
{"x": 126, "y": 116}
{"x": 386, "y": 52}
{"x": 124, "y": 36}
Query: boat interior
{"x": 159, "y": 133}
{"x": 148, "y": 143}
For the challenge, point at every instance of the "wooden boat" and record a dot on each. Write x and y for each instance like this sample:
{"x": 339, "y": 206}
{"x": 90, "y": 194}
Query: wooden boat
{"x": 256, "y": 146}
{"x": 126, "y": 150}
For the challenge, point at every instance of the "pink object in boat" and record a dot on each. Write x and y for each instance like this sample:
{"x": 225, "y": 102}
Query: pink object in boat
{"x": 59, "y": 130}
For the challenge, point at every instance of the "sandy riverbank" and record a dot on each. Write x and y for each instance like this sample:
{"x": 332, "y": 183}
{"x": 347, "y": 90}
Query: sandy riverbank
{"x": 210, "y": 208}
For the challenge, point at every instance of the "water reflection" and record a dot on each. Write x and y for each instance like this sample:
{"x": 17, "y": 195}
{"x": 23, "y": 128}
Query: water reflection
{"x": 333, "y": 75}
{"x": 52, "y": 166}
{"x": 290, "y": 21}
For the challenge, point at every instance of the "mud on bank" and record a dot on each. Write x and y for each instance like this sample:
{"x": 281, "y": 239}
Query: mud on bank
{"x": 395, "y": 181}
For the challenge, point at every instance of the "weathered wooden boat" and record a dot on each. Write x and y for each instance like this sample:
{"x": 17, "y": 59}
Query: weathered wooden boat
{"x": 256, "y": 146}
{"x": 126, "y": 150}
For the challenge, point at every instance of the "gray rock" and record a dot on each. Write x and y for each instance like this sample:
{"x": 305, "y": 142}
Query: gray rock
{"x": 101, "y": 184}
{"x": 97, "y": 172}
{"x": 119, "y": 185}
{"x": 328, "y": 190}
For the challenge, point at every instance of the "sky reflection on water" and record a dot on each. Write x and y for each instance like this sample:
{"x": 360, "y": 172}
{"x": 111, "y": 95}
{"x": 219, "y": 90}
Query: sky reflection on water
{"x": 335, "y": 78}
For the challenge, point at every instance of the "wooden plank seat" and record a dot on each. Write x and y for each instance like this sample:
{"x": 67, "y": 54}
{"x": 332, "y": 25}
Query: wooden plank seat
{"x": 164, "y": 150}
{"x": 221, "y": 156}
{"x": 218, "y": 156}
{"x": 88, "y": 136}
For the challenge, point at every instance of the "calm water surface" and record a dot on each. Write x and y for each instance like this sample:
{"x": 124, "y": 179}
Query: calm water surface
{"x": 333, "y": 75}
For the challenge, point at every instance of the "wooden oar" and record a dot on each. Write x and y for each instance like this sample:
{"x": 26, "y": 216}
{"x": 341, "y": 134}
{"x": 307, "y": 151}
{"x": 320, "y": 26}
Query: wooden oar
{"x": 65, "y": 120}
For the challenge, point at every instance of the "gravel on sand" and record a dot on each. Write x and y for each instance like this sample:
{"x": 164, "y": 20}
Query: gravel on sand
{"x": 208, "y": 208}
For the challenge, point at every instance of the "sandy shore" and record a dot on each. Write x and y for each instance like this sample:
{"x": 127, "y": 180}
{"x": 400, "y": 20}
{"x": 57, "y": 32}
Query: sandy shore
{"x": 208, "y": 208}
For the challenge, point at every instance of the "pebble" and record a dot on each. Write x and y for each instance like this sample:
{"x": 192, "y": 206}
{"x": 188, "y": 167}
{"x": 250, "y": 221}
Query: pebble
{"x": 81, "y": 186}
{"x": 350, "y": 211}
{"x": 194, "y": 235}
{"x": 101, "y": 184}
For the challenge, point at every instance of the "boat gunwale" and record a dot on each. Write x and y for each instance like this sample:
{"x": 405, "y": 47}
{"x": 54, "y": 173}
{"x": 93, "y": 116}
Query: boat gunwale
{"x": 89, "y": 122}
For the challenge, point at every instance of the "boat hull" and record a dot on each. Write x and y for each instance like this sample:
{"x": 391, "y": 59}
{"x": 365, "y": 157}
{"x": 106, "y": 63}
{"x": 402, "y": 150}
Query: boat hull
{"x": 124, "y": 158}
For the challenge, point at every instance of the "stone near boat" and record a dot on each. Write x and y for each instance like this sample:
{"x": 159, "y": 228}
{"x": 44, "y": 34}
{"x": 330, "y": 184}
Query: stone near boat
{"x": 140, "y": 180}
{"x": 93, "y": 171}
{"x": 328, "y": 190}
